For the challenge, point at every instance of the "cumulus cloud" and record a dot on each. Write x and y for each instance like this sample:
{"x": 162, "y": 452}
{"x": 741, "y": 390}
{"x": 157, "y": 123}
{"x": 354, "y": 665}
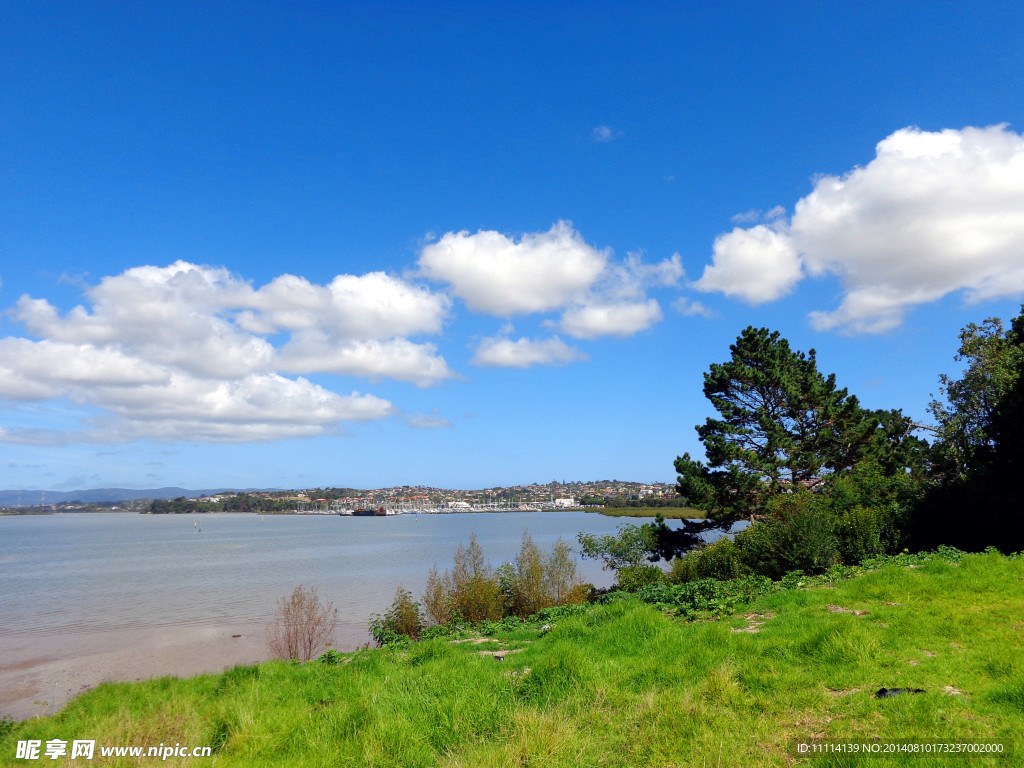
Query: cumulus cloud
{"x": 931, "y": 214}
{"x": 620, "y": 319}
{"x": 180, "y": 353}
{"x": 525, "y": 353}
{"x": 166, "y": 315}
{"x": 496, "y": 274}
{"x": 371, "y": 306}
{"x": 398, "y": 359}
{"x": 551, "y": 271}
{"x": 257, "y": 407}
{"x": 757, "y": 265}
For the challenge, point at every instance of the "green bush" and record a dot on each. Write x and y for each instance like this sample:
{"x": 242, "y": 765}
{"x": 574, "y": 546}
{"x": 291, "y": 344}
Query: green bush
{"x": 706, "y": 596}
{"x": 400, "y": 624}
{"x": 798, "y": 533}
{"x": 475, "y": 593}
{"x": 863, "y": 532}
{"x": 630, "y": 578}
{"x": 721, "y": 560}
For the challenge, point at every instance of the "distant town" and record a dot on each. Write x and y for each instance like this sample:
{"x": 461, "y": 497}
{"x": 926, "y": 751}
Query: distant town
{"x": 394, "y": 500}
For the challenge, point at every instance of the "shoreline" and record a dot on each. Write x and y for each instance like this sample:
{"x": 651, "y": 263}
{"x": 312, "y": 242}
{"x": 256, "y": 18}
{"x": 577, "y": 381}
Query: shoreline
{"x": 40, "y": 674}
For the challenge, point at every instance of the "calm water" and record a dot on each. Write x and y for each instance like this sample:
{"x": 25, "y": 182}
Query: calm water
{"x": 86, "y": 572}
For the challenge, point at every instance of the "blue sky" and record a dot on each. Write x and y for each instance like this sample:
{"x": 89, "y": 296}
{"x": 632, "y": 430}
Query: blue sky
{"x": 470, "y": 244}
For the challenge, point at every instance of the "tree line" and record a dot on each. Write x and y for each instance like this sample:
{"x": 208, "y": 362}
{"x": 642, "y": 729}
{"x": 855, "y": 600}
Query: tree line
{"x": 242, "y": 502}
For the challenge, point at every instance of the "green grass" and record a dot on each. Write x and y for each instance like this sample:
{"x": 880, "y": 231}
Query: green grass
{"x": 669, "y": 513}
{"x": 620, "y": 685}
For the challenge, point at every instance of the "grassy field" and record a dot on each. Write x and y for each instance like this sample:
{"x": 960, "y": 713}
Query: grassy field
{"x": 669, "y": 513}
{"x": 618, "y": 685}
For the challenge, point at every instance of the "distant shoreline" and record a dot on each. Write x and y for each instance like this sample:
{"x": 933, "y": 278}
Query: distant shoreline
{"x": 669, "y": 513}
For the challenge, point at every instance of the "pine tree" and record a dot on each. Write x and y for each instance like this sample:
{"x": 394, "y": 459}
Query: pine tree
{"x": 782, "y": 425}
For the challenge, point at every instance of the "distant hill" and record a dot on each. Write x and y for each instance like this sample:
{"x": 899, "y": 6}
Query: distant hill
{"x": 33, "y": 498}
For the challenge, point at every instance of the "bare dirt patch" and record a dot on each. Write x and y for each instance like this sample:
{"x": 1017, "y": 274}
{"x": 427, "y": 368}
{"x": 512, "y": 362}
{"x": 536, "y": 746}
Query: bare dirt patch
{"x": 754, "y": 622}
{"x": 840, "y": 609}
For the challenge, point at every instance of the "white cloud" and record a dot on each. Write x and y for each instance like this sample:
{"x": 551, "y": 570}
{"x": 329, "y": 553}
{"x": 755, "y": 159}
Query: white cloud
{"x": 167, "y": 315}
{"x": 398, "y": 359}
{"x": 931, "y": 214}
{"x": 630, "y": 279}
{"x": 554, "y": 270}
{"x": 430, "y": 420}
{"x": 755, "y": 215}
{"x": 619, "y": 319}
{"x": 691, "y": 308}
{"x": 42, "y": 370}
{"x": 525, "y": 353}
{"x": 371, "y": 306}
{"x": 495, "y": 274}
{"x": 602, "y": 134}
{"x": 179, "y": 353}
{"x": 257, "y": 407}
{"x": 757, "y": 265}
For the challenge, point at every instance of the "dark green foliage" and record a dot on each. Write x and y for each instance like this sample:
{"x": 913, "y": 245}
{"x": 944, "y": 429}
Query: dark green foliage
{"x": 524, "y": 583}
{"x": 722, "y": 597}
{"x": 721, "y": 560}
{"x": 978, "y": 496}
{"x": 236, "y": 502}
{"x": 219, "y": 735}
{"x": 797, "y": 534}
{"x": 475, "y": 594}
{"x": 822, "y": 479}
{"x": 965, "y": 429}
{"x": 782, "y": 426}
{"x": 851, "y": 516}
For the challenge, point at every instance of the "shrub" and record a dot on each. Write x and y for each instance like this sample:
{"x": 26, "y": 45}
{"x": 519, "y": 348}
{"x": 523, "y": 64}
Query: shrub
{"x": 632, "y": 577}
{"x": 525, "y": 581}
{"x": 301, "y": 625}
{"x": 402, "y": 620}
{"x": 436, "y": 597}
{"x": 562, "y": 583}
{"x": 537, "y": 581}
{"x": 475, "y": 593}
{"x": 863, "y": 532}
{"x": 721, "y": 560}
{"x": 798, "y": 534}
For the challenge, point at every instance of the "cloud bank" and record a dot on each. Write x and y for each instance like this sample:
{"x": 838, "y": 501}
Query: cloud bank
{"x": 933, "y": 213}
{"x": 194, "y": 352}
{"x": 182, "y": 353}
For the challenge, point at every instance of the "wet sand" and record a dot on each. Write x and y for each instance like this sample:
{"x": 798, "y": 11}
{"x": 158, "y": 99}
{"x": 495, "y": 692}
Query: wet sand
{"x": 40, "y": 674}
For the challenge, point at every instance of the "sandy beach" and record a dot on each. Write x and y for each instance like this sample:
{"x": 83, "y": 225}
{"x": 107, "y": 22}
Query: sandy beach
{"x": 40, "y": 674}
